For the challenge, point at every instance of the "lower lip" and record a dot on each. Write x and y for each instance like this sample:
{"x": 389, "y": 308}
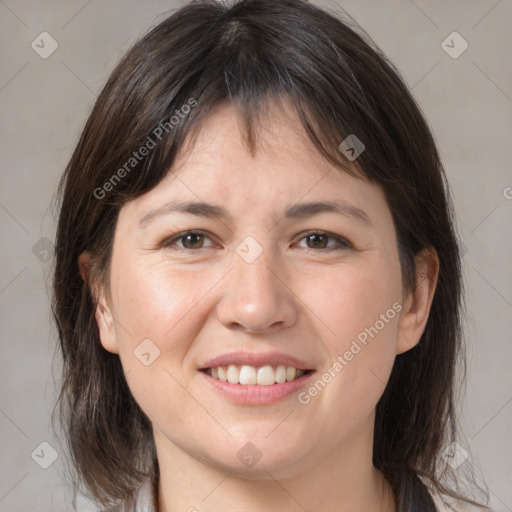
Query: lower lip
{"x": 254, "y": 394}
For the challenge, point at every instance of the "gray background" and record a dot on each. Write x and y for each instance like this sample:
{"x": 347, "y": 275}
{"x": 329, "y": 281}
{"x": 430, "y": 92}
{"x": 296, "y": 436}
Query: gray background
{"x": 44, "y": 103}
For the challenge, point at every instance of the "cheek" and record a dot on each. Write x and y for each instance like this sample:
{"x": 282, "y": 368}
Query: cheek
{"x": 350, "y": 300}
{"x": 358, "y": 313}
{"x": 158, "y": 301}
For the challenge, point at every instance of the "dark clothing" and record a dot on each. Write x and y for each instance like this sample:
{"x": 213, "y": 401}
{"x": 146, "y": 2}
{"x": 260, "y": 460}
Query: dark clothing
{"x": 421, "y": 500}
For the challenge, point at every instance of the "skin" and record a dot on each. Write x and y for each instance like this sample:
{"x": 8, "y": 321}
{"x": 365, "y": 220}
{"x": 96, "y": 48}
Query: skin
{"x": 202, "y": 299}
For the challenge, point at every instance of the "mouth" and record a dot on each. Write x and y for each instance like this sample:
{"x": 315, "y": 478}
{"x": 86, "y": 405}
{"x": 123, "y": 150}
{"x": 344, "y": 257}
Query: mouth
{"x": 246, "y": 375}
{"x": 250, "y": 378}
{"x": 251, "y": 386}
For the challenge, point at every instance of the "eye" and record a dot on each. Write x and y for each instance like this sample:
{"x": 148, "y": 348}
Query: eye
{"x": 195, "y": 240}
{"x": 320, "y": 240}
{"x": 192, "y": 240}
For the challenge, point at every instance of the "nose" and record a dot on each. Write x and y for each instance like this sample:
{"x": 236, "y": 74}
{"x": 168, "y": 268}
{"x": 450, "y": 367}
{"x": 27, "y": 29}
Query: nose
{"x": 256, "y": 298}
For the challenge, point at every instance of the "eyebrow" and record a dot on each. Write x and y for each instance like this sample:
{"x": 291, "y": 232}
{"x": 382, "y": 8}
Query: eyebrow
{"x": 297, "y": 211}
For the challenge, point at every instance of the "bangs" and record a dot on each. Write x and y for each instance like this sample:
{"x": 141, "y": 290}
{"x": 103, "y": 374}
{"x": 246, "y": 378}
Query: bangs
{"x": 256, "y": 70}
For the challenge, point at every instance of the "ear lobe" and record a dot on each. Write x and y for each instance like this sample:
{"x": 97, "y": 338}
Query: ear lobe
{"x": 102, "y": 314}
{"x": 417, "y": 305}
{"x": 106, "y": 327}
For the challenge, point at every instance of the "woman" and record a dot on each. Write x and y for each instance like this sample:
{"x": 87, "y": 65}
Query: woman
{"x": 257, "y": 284}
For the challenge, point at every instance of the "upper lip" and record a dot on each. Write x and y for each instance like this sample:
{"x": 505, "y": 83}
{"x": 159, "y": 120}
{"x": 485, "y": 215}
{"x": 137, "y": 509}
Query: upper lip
{"x": 256, "y": 360}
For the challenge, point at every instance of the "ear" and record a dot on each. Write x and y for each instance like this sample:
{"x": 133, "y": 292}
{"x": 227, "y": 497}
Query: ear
{"x": 416, "y": 308}
{"x": 103, "y": 314}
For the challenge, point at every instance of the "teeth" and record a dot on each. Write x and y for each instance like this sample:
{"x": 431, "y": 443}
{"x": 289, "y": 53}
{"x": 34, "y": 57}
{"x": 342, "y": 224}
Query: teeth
{"x": 222, "y": 374}
{"x": 247, "y": 375}
{"x": 281, "y": 374}
{"x": 250, "y": 375}
{"x": 233, "y": 374}
{"x": 266, "y": 376}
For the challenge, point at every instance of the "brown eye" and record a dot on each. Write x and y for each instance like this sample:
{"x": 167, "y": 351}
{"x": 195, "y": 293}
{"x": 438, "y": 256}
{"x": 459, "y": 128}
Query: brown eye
{"x": 191, "y": 240}
{"x": 321, "y": 240}
{"x": 317, "y": 241}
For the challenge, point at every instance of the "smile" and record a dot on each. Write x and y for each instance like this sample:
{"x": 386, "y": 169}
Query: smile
{"x": 246, "y": 375}
{"x": 249, "y": 392}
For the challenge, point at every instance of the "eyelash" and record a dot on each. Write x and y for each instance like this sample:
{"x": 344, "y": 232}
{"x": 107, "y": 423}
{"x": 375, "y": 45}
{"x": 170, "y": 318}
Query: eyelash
{"x": 343, "y": 244}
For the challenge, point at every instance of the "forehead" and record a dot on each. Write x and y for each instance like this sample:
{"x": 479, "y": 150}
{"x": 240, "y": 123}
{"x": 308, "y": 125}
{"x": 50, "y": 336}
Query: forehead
{"x": 274, "y": 130}
{"x": 217, "y": 166}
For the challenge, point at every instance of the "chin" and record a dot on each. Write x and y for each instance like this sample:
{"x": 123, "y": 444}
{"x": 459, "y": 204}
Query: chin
{"x": 255, "y": 457}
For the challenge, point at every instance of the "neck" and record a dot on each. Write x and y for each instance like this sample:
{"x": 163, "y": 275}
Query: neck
{"x": 328, "y": 482}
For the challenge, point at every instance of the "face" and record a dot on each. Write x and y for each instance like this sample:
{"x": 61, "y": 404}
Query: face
{"x": 264, "y": 281}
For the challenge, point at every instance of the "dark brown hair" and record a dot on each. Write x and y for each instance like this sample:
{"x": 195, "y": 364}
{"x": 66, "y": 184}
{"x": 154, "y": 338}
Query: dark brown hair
{"x": 252, "y": 53}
